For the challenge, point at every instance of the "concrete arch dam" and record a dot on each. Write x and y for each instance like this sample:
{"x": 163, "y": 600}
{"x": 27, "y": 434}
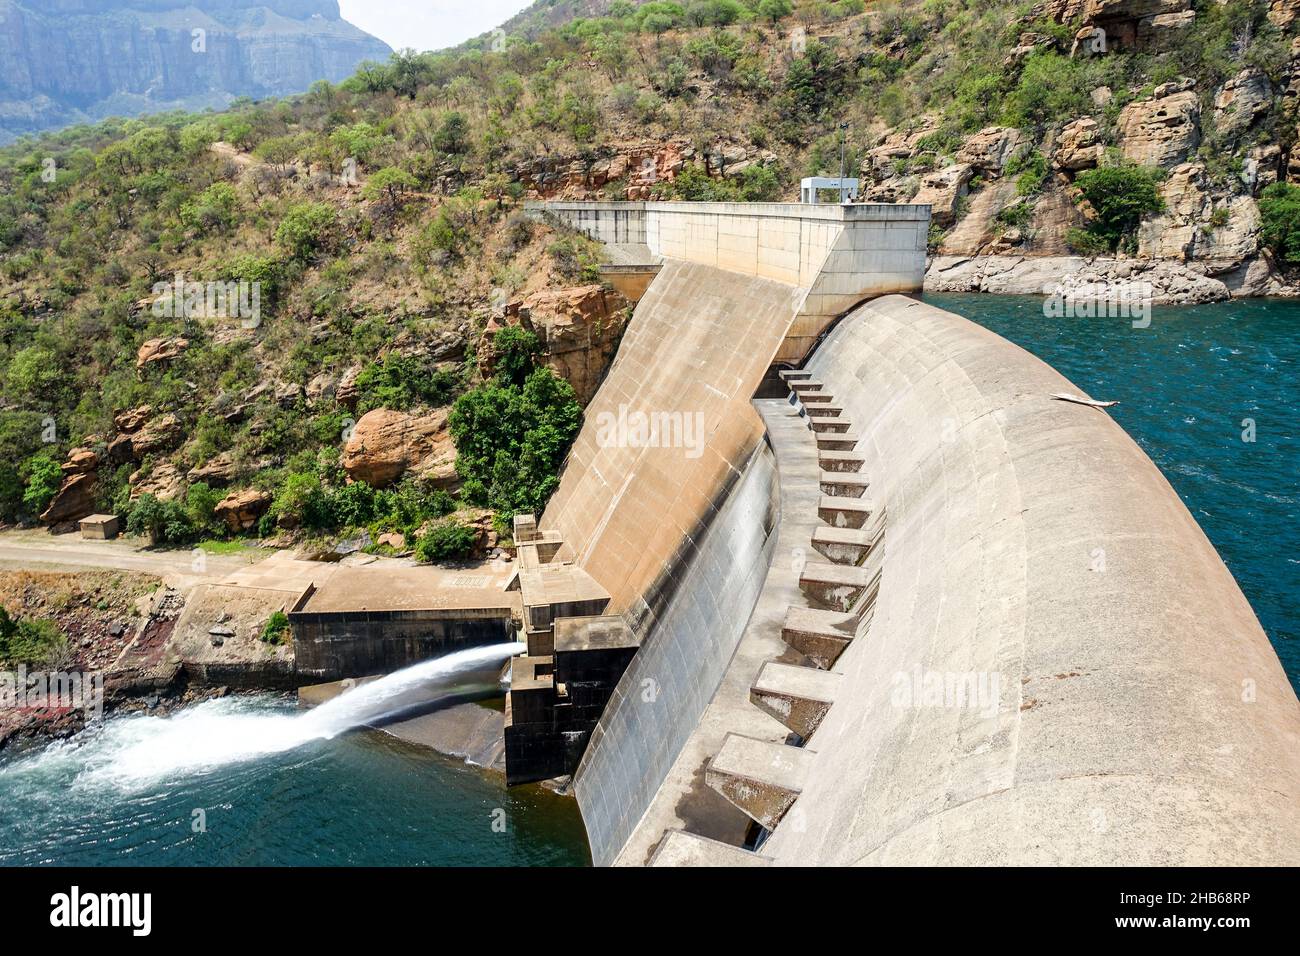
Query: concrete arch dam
{"x": 913, "y": 610}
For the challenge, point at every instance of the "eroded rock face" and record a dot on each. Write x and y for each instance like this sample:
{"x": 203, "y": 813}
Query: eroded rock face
{"x": 1220, "y": 235}
{"x": 1241, "y": 100}
{"x": 240, "y": 510}
{"x": 74, "y": 499}
{"x": 943, "y": 189}
{"x": 579, "y": 330}
{"x": 158, "y": 434}
{"x": 387, "y": 444}
{"x": 1079, "y": 146}
{"x": 219, "y": 470}
{"x": 74, "y": 61}
{"x": 131, "y": 419}
{"x": 1163, "y": 130}
{"x": 989, "y": 149}
{"x": 1283, "y": 13}
{"x": 163, "y": 482}
{"x": 80, "y": 461}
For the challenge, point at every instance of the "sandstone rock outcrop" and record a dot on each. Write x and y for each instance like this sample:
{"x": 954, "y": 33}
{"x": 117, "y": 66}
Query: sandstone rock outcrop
{"x": 1283, "y": 13}
{"x": 218, "y": 470}
{"x": 579, "y": 330}
{"x": 1241, "y": 100}
{"x": 1079, "y": 146}
{"x": 156, "y": 351}
{"x": 1161, "y": 131}
{"x": 387, "y": 444}
{"x": 988, "y": 150}
{"x": 76, "y": 495}
{"x": 943, "y": 189}
{"x": 163, "y": 481}
{"x": 131, "y": 419}
{"x": 74, "y": 499}
{"x": 240, "y": 510}
{"x": 157, "y": 434}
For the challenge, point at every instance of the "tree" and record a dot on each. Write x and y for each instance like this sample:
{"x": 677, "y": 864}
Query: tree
{"x": 43, "y": 479}
{"x": 446, "y": 540}
{"x": 452, "y": 135}
{"x": 774, "y": 10}
{"x": 1279, "y": 207}
{"x": 308, "y": 228}
{"x": 389, "y": 185}
{"x": 1121, "y": 195}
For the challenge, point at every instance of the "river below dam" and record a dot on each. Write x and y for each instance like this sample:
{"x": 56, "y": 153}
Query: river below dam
{"x": 1189, "y": 385}
{"x": 250, "y": 780}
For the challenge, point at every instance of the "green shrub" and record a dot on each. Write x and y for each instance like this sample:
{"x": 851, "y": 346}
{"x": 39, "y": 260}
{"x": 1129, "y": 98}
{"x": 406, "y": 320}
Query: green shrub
{"x": 446, "y": 540}
{"x": 402, "y": 381}
{"x": 511, "y": 441}
{"x": 32, "y": 641}
{"x": 276, "y": 630}
{"x": 1121, "y": 195}
{"x": 1279, "y": 207}
{"x": 307, "y": 229}
{"x": 43, "y": 479}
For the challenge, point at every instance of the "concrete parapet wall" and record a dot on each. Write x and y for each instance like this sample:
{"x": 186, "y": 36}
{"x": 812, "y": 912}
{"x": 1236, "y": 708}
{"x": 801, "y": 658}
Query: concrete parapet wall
{"x": 830, "y": 257}
{"x": 1126, "y": 706}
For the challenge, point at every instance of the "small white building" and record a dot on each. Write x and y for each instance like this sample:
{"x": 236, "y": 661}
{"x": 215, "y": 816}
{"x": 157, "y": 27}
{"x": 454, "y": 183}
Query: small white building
{"x": 809, "y": 186}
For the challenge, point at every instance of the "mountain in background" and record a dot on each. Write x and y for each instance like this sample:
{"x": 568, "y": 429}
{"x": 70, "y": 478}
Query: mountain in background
{"x": 70, "y": 61}
{"x": 544, "y": 14}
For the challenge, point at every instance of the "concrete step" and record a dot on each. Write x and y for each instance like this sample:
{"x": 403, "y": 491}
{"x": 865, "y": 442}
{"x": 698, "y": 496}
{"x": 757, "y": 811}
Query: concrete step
{"x": 819, "y": 635}
{"x": 834, "y": 586}
{"x": 794, "y": 374}
{"x": 837, "y": 442}
{"x": 806, "y": 385}
{"x": 799, "y": 697}
{"x": 845, "y": 512}
{"x": 843, "y": 484}
{"x": 823, "y": 424}
{"x": 760, "y": 778}
{"x": 815, "y": 398}
{"x": 834, "y": 459}
{"x": 845, "y": 545}
{"x": 824, "y": 411}
{"x": 679, "y": 848}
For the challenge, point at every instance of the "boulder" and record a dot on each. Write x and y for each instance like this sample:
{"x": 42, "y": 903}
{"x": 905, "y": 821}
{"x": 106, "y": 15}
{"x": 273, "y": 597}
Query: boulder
{"x": 156, "y": 351}
{"x": 240, "y": 510}
{"x": 989, "y": 149}
{"x": 1079, "y": 146}
{"x": 119, "y": 450}
{"x": 218, "y": 470}
{"x": 158, "y": 434}
{"x": 131, "y": 419}
{"x": 346, "y": 394}
{"x": 1228, "y": 247}
{"x": 80, "y": 461}
{"x": 163, "y": 482}
{"x": 386, "y": 444}
{"x": 1163, "y": 130}
{"x": 944, "y": 189}
{"x": 1172, "y": 234}
{"x": 322, "y": 387}
{"x": 74, "y": 499}
{"x": 1241, "y": 100}
{"x": 1283, "y": 13}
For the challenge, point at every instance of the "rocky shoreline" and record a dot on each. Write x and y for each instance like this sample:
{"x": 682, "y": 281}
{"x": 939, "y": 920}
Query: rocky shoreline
{"x": 1172, "y": 282}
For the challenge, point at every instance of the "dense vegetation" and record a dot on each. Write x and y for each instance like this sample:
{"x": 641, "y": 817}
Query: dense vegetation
{"x": 367, "y": 277}
{"x": 31, "y": 641}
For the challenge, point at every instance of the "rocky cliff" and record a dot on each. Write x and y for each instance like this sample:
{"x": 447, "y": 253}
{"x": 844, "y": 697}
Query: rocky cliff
{"x": 67, "y": 61}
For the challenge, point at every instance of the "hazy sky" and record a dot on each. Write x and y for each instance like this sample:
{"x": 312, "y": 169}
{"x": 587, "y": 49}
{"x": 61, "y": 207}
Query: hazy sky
{"x": 428, "y": 24}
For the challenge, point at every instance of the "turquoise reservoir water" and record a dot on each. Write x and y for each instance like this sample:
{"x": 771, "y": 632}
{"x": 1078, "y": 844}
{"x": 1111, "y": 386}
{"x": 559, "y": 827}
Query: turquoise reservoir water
{"x": 1186, "y": 385}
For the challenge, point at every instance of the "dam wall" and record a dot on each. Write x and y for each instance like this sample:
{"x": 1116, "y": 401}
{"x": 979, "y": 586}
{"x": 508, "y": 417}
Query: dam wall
{"x": 831, "y": 258}
{"x": 668, "y": 434}
{"x": 1124, "y": 705}
{"x": 663, "y": 693}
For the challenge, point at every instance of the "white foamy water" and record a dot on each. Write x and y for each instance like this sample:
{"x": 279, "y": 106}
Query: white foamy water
{"x": 131, "y": 752}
